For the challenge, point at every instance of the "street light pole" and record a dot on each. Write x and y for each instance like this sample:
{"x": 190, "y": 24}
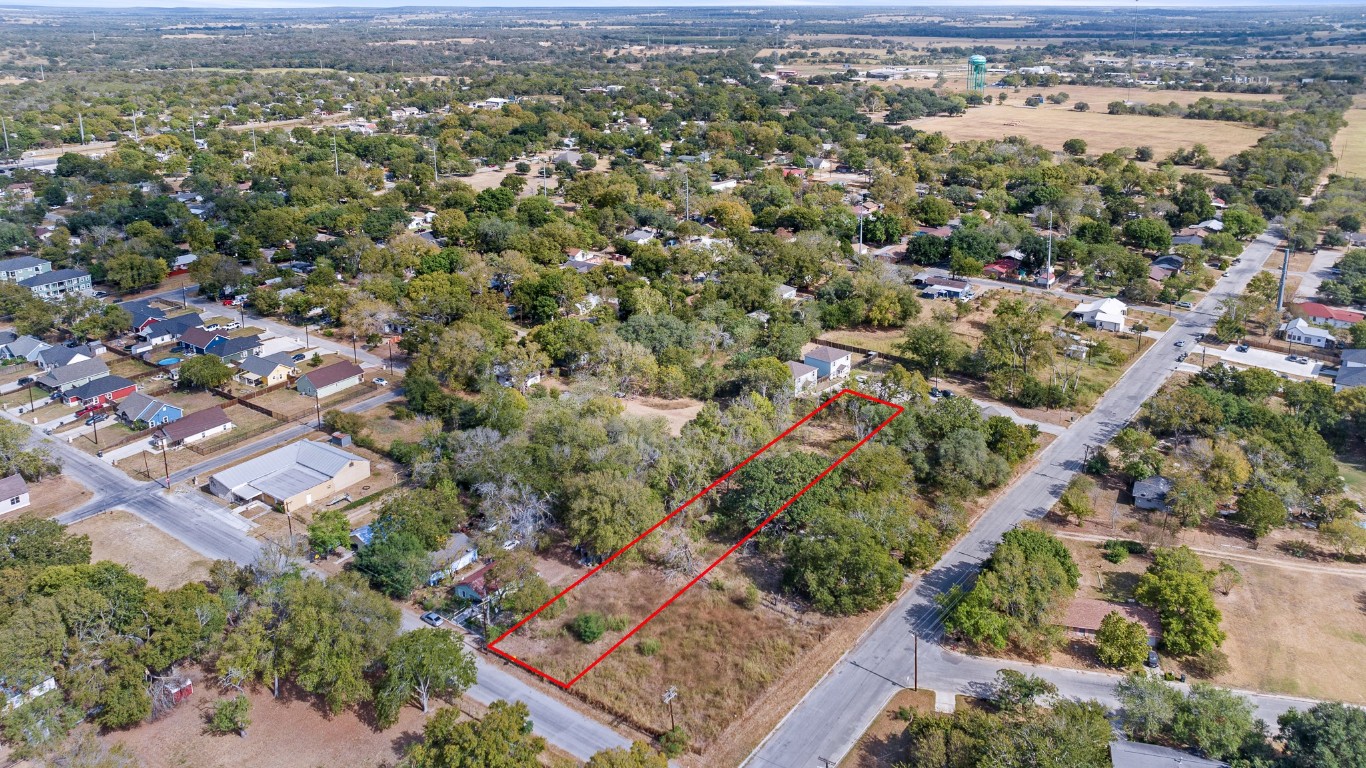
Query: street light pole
{"x": 916, "y": 667}
{"x": 165, "y": 459}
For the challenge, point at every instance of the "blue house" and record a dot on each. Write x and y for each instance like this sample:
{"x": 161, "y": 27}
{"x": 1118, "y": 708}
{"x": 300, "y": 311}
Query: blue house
{"x": 149, "y": 410}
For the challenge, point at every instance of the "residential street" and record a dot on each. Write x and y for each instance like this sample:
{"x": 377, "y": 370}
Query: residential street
{"x": 834, "y": 714}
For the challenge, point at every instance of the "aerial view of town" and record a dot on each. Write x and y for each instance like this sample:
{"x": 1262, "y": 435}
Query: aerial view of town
{"x": 655, "y": 385}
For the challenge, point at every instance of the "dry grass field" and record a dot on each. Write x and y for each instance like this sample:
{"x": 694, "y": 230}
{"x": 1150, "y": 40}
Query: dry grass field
{"x": 1100, "y": 95}
{"x": 1351, "y": 144}
{"x": 1050, "y": 127}
{"x": 1291, "y": 629}
{"x": 128, "y": 540}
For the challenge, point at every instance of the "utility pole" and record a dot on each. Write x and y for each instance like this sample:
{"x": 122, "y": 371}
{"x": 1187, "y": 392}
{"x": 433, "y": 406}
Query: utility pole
{"x": 253, "y": 140}
{"x": 146, "y": 468}
{"x": 1048, "y": 265}
{"x": 4, "y": 128}
{"x": 96, "y": 425}
{"x": 80, "y": 118}
{"x": 669, "y": 697}
{"x": 1285, "y": 268}
{"x": 687, "y": 197}
{"x": 166, "y": 460}
{"x": 916, "y": 679}
{"x": 436, "y": 170}
{"x": 860, "y": 232}
{"x": 318, "y": 407}
{"x": 336, "y": 158}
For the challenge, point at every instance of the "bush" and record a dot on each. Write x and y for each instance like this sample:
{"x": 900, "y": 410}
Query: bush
{"x": 588, "y": 627}
{"x": 649, "y": 646}
{"x": 673, "y": 742}
{"x": 1208, "y": 664}
{"x": 1115, "y": 551}
{"x": 749, "y": 599}
{"x": 617, "y": 623}
{"x": 1118, "y": 550}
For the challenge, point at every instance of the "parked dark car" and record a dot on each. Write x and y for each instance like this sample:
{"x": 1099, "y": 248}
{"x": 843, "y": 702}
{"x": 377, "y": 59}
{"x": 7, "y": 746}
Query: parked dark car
{"x": 298, "y": 357}
{"x": 1152, "y": 661}
{"x": 25, "y": 381}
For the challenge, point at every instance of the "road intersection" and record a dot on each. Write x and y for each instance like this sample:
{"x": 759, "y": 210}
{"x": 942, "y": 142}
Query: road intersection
{"x": 829, "y": 720}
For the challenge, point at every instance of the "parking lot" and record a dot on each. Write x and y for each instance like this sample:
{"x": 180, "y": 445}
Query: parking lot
{"x": 1276, "y": 362}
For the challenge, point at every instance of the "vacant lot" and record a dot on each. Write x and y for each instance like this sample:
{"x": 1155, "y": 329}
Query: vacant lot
{"x": 52, "y": 496}
{"x": 884, "y": 744}
{"x": 1050, "y": 127}
{"x": 1351, "y": 144}
{"x": 288, "y": 732}
{"x": 126, "y": 539}
{"x": 675, "y": 412}
{"x": 1292, "y": 629}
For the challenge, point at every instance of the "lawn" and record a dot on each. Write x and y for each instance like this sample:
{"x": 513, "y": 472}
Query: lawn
{"x": 250, "y": 424}
{"x": 1051, "y": 126}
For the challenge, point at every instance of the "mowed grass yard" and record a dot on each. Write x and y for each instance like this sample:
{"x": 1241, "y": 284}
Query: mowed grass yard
{"x": 1291, "y": 629}
{"x": 1051, "y": 126}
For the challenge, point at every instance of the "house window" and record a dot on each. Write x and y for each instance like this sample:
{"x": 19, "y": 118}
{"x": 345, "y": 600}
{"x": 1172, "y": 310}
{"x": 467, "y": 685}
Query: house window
{"x": 14, "y": 500}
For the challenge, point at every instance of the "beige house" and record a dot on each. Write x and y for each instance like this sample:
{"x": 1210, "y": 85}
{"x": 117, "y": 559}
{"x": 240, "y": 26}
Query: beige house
{"x": 292, "y": 476}
{"x": 256, "y": 371}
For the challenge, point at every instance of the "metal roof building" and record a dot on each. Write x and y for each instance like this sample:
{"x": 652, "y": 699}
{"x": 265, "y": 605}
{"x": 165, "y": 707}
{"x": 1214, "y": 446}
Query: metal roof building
{"x": 292, "y": 476}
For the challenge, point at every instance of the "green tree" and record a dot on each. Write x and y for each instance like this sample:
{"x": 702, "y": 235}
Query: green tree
{"x": 1121, "y": 643}
{"x": 502, "y": 739}
{"x": 1177, "y": 586}
{"x": 640, "y": 755}
{"x": 205, "y": 371}
{"x": 420, "y": 664}
{"x": 231, "y": 716}
{"x": 606, "y": 510}
{"x": 1215, "y": 720}
{"x": 1261, "y": 511}
{"x": 932, "y": 347}
{"x": 329, "y": 530}
{"x": 131, "y": 270}
{"x": 588, "y": 627}
{"x": 842, "y": 567}
{"x": 35, "y": 543}
{"x": 1017, "y": 694}
{"x": 395, "y": 563}
{"x": 1148, "y": 706}
{"x": 1148, "y": 234}
{"x": 1075, "y": 502}
{"x": 331, "y": 632}
{"x": 1074, "y": 147}
{"x": 1327, "y": 735}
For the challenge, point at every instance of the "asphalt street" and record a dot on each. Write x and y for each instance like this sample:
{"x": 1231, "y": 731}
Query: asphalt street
{"x": 829, "y": 720}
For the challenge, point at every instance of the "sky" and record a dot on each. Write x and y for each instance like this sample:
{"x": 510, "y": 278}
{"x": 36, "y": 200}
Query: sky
{"x": 902, "y": 4}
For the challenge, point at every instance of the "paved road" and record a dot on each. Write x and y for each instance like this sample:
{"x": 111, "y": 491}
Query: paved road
{"x": 572, "y": 731}
{"x": 835, "y": 713}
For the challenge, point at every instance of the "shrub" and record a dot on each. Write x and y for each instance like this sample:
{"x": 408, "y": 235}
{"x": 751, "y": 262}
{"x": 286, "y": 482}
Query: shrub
{"x": 1208, "y": 663}
{"x": 649, "y": 646}
{"x": 1115, "y": 551}
{"x": 588, "y": 627}
{"x": 617, "y": 623}
{"x": 749, "y": 599}
{"x": 673, "y": 742}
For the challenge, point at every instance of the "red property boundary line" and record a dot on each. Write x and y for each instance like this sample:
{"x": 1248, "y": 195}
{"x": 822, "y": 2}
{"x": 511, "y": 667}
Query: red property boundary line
{"x": 566, "y": 685}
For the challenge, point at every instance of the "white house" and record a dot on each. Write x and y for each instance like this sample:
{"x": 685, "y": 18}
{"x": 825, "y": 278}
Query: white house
{"x": 1103, "y": 314}
{"x": 803, "y": 377}
{"x": 1299, "y": 331}
{"x": 830, "y": 363}
{"x": 785, "y": 292}
{"x": 13, "y": 493}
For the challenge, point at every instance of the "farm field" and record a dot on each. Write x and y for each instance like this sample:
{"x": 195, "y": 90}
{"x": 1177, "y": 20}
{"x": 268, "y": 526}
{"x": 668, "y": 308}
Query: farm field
{"x": 1102, "y": 132}
{"x": 128, "y": 540}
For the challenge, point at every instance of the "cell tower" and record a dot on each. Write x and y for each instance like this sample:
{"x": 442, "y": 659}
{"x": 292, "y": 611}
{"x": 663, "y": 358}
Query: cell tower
{"x": 977, "y": 74}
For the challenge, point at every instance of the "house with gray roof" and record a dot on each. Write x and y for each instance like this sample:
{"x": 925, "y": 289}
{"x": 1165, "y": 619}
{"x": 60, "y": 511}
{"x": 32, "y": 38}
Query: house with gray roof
{"x": 235, "y": 349}
{"x": 256, "y": 371}
{"x": 56, "y": 357}
{"x": 26, "y": 347}
{"x": 1151, "y": 493}
{"x": 329, "y": 379}
{"x": 13, "y": 493}
{"x": 197, "y": 426}
{"x": 148, "y": 410}
{"x": 292, "y": 476}
{"x": 20, "y": 268}
{"x": 831, "y": 363}
{"x": 143, "y": 313}
{"x": 170, "y": 329}
{"x": 58, "y": 283}
{"x": 69, "y": 377}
